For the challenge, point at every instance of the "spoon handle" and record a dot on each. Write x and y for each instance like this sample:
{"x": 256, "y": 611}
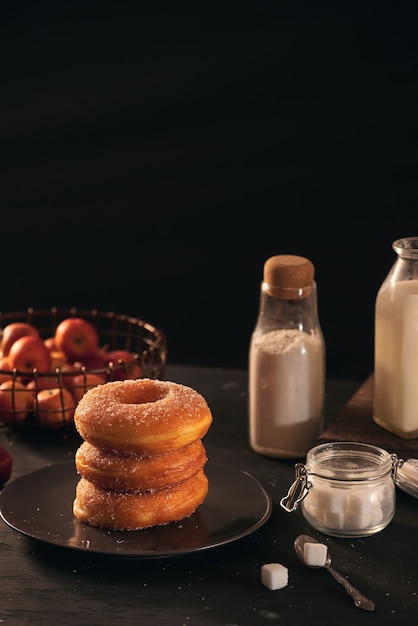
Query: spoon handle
{"x": 359, "y": 600}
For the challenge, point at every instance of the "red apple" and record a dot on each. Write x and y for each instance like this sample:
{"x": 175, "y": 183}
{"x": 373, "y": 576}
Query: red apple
{"x": 77, "y": 338}
{"x": 70, "y": 368}
{"x": 127, "y": 365}
{"x": 68, "y": 371}
{"x": 82, "y": 383}
{"x": 16, "y": 402}
{"x": 29, "y": 353}
{"x": 55, "y": 407}
{"x": 98, "y": 361}
{"x": 41, "y": 382}
{"x": 5, "y": 364}
{"x": 14, "y": 331}
{"x": 5, "y": 371}
{"x": 4, "y": 376}
{"x": 58, "y": 359}
{"x": 6, "y": 465}
{"x": 50, "y": 343}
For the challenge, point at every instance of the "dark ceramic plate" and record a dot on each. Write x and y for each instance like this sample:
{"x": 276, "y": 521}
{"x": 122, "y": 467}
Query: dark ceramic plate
{"x": 39, "y": 505}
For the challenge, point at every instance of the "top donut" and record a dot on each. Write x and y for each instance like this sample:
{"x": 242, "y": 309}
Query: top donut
{"x": 143, "y": 416}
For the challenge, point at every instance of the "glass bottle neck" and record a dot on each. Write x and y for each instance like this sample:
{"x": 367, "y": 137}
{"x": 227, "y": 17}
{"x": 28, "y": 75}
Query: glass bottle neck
{"x": 406, "y": 248}
{"x": 299, "y": 313}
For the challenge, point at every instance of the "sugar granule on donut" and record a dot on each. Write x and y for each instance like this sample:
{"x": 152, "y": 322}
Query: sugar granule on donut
{"x": 142, "y": 416}
{"x": 108, "y": 469}
{"x": 135, "y": 511}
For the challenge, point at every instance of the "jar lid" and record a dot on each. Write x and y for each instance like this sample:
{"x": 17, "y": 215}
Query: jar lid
{"x": 406, "y": 477}
{"x": 288, "y": 276}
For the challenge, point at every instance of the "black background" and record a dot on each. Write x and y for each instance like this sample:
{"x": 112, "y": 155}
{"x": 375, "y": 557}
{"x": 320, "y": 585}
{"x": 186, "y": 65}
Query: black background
{"x": 154, "y": 155}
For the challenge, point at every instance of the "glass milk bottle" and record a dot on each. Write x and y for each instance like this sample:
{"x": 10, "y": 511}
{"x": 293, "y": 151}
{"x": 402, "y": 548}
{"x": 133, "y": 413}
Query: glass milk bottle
{"x": 396, "y": 344}
{"x": 286, "y": 361}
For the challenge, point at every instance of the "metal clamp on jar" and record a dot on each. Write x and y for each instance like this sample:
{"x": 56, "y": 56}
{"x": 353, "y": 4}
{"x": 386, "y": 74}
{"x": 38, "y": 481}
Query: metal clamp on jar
{"x": 347, "y": 489}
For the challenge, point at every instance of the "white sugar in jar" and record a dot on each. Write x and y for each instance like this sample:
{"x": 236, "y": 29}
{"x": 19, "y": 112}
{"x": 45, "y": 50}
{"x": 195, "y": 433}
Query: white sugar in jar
{"x": 345, "y": 489}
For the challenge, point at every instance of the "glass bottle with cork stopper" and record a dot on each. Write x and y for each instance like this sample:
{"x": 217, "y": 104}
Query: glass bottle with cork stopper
{"x": 286, "y": 361}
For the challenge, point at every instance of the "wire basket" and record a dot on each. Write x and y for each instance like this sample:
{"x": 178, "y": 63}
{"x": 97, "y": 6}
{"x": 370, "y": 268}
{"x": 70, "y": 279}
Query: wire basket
{"x": 146, "y": 344}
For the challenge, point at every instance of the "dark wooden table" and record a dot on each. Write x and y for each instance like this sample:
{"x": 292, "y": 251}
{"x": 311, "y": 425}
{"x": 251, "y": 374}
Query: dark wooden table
{"x": 46, "y": 584}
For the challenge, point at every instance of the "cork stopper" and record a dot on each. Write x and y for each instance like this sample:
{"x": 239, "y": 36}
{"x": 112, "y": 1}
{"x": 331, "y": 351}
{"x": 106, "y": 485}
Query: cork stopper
{"x": 288, "y": 276}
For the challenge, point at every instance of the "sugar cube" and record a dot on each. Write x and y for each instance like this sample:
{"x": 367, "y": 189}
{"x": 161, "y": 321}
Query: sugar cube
{"x": 274, "y": 575}
{"x": 315, "y": 554}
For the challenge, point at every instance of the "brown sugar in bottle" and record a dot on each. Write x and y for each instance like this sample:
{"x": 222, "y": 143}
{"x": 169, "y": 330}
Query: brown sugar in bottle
{"x": 286, "y": 361}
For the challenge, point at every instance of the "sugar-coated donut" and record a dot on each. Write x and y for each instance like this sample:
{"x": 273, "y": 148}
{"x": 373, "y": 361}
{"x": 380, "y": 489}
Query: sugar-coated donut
{"x": 109, "y": 469}
{"x": 142, "y": 416}
{"x": 119, "y": 510}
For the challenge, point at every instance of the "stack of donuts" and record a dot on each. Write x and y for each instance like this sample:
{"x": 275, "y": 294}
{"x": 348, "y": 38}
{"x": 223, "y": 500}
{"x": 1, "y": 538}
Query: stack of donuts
{"x": 142, "y": 460}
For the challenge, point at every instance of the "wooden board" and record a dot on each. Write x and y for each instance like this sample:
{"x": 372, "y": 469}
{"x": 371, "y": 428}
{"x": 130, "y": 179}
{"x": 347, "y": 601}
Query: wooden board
{"x": 355, "y": 423}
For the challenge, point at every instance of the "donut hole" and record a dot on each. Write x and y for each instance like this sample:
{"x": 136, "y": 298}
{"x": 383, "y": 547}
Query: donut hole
{"x": 146, "y": 395}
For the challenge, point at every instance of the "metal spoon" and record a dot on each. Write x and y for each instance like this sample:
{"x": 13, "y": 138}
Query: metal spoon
{"x": 359, "y": 600}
